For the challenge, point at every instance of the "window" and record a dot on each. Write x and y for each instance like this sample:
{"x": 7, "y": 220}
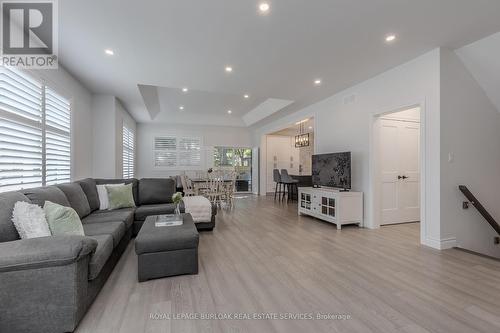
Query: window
{"x": 174, "y": 152}
{"x": 57, "y": 138}
{"x": 35, "y": 133}
{"x": 239, "y": 160}
{"x": 232, "y": 157}
{"x": 128, "y": 153}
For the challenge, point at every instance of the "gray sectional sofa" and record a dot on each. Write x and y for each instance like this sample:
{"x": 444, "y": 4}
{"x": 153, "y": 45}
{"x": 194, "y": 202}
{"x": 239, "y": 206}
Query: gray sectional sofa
{"x": 47, "y": 284}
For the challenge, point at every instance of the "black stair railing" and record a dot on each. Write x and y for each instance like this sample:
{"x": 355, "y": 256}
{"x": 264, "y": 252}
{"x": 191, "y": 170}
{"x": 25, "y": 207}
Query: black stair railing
{"x": 487, "y": 216}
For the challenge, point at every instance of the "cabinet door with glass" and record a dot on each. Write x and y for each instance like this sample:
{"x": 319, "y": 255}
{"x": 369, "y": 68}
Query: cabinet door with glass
{"x": 327, "y": 206}
{"x": 305, "y": 200}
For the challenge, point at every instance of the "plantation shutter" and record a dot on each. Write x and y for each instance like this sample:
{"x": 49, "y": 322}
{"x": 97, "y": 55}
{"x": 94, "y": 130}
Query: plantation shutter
{"x": 35, "y": 133}
{"x": 177, "y": 152}
{"x": 189, "y": 152}
{"x": 21, "y": 155}
{"x": 165, "y": 151}
{"x": 58, "y": 138}
{"x": 128, "y": 153}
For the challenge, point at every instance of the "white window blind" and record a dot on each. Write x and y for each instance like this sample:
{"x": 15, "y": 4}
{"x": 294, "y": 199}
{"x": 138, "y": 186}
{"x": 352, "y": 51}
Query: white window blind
{"x": 34, "y": 133}
{"x": 189, "y": 152}
{"x": 57, "y": 138}
{"x": 173, "y": 152}
{"x": 128, "y": 153}
{"x": 165, "y": 151}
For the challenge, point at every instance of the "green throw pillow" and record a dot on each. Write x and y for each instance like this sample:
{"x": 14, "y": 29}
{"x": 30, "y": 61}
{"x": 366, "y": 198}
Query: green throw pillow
{"x": 120, "y": 196}
{"x": 62, "y": 220}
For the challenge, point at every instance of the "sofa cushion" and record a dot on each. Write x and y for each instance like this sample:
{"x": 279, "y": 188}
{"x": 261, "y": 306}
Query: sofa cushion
{"x": 115, "y": 229}
{"x": 53, "y": 194}
{"x": 7, "y": 201}
{"x": 76, "y": 197}
{"x": 125, "y": 215}
{"x": 156, "y": 191}
{"x": 90, "y": 189}
{"x": 101, "y": 254}
{"x": 146, "y": 210}
{"x": 134, "y": 182}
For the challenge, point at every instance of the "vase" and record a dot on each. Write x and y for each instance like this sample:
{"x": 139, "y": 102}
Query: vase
{"x": 177, "y": 210}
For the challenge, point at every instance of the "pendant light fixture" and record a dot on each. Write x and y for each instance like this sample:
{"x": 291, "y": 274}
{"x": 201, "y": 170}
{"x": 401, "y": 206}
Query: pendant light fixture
{"x": 302, "y": 139}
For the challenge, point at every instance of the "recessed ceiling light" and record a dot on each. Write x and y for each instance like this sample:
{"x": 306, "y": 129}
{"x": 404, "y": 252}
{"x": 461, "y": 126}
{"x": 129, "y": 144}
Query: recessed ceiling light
{"x": 264, "y": 7}
{"x": 185, "y": 90}
{"x": 229, "y": 111}
{"x": 181, "y": 107}
{"x": 246, "y": 96}
{"x": 109, "y": 52}
{"x": 390, "y": 38}
{"x": 317, "y": 82}
{"x": 229, "y": 69}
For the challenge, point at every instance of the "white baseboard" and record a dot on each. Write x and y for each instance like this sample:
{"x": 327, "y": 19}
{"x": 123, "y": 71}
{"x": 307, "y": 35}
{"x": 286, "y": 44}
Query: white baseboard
{"x": 440, "y": 244}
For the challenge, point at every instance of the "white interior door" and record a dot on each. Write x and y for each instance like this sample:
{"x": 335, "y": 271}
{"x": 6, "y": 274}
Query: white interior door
{"x": 400, "y": 171}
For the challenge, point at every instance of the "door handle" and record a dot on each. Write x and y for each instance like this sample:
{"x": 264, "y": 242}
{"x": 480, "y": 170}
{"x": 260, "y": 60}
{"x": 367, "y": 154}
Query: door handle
{"x": 400, "y": 177}
{"x": 404, "y": 177}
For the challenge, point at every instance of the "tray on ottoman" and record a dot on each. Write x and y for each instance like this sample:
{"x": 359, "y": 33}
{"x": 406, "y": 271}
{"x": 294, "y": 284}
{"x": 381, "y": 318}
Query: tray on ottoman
{"x": 167, "y": 251}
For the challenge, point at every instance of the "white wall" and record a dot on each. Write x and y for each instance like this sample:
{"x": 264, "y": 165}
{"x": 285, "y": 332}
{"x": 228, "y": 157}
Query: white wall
{"x": 470, "y": 132}
{"x": 108, "y": 117}
{"x": 81, "y": 117}
{"x": 305, "y": 156}
{"x": 211, "y": 136}
{"x": 281, "y": 154}
{"x": 412, "y": 114}
{"x": 103, "y": 138}
{"x": 348, "y": 127}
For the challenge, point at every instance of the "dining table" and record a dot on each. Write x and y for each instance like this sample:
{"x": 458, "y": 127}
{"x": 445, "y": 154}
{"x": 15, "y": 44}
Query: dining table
{"x": 200, "y": 184}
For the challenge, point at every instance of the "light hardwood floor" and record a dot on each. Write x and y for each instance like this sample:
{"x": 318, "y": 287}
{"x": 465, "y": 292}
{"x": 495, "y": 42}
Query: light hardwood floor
{"x": 263, "y": 258}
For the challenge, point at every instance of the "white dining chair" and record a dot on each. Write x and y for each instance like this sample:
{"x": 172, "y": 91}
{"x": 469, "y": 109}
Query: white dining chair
{"x": 187, "y": 186}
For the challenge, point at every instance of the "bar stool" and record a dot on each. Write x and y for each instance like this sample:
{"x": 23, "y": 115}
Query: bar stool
{"x": 290, "y": 183}
{"x": 277, "y": 180}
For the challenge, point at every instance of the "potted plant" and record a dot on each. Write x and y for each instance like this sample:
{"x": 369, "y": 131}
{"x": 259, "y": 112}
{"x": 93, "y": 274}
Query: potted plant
{"x": 177, "y": 198}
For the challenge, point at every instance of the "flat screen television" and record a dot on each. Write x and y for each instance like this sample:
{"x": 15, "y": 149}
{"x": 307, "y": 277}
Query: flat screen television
{"x": 332, "y": 170}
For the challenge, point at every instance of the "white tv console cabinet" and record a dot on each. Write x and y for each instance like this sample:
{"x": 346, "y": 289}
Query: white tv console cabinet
{"x": 332, "y": 205}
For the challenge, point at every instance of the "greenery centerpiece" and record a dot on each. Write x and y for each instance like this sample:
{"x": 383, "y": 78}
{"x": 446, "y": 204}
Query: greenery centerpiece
{"x": 176, "y": 199}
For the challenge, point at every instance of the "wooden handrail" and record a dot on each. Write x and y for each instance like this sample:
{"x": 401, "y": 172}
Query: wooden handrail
{"x": 487, "y": 216}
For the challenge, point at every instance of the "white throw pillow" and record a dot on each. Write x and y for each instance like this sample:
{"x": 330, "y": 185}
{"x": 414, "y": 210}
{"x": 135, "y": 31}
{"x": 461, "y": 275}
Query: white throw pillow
{"x": 103, "y": 195}
{"x": 29, "y": 220}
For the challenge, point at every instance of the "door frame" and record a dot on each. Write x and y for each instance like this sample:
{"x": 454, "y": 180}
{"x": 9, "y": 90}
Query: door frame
{"x": 374, "y": 169}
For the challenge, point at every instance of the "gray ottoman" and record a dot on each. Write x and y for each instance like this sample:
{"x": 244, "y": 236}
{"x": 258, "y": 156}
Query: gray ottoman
{"x": 167, "y": 251}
